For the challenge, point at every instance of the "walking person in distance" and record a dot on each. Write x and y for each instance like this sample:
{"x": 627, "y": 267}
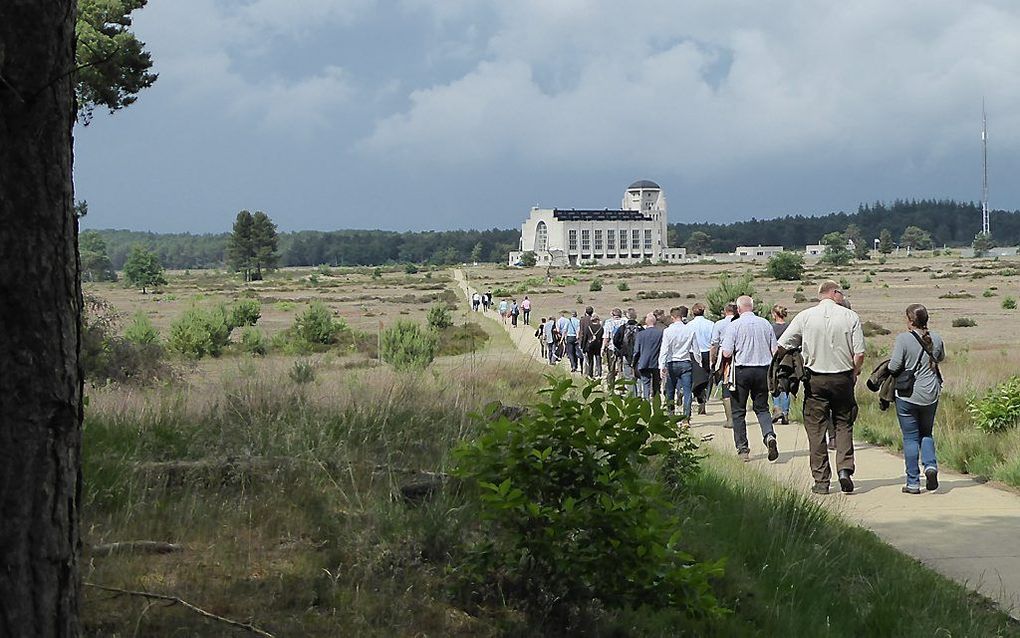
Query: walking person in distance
{"x": 526, "y": 310}
{"x": 703, "y": 327}
{"x": 915, "y": 362}
{"x": 749, "y": 343}
{"x": 678, "y": 354}
{"x": 782, "y": 400}
{"x": 646, "y": 358}
{"x": 832, "y": 346}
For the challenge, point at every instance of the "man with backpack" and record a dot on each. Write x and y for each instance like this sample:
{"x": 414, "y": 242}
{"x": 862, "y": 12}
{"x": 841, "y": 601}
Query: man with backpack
{"x": 609, "y": 356}
{"x": 624, "y": 340}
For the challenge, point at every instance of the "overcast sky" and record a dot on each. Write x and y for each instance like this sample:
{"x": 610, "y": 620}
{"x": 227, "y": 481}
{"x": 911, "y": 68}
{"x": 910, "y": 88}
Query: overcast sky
{"x": 439, "y": 114}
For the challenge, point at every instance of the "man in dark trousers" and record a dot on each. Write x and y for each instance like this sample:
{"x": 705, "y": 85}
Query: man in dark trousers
{"x": 749, "y": 342}
{"x": 832, "y": 345}
{"x": 646, "y": 358}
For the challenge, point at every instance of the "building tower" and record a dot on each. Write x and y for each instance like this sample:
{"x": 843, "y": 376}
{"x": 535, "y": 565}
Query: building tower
{"x": 646, "y": 196}
{"x": 985, "y": 226}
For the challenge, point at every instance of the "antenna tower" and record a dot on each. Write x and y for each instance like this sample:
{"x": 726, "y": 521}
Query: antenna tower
{"x": 985, "y": 227}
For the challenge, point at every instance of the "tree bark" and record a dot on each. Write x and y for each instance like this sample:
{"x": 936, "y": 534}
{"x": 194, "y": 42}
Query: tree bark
{"x": 40, "y": 303}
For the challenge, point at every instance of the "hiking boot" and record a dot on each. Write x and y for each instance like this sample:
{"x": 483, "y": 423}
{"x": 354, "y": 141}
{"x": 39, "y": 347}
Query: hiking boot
{"x": 701, "y": 409}
{"x": 931, "y": 475}
{"x": 773, "y": 449}
{"x": 744, "y": 456}
{"x": 911, "y": 489}
{"x": 845, "y": 482}
{"x": 820, "y": 488}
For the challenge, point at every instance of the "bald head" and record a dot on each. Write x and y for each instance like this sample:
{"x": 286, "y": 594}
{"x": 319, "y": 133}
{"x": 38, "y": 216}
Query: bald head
{"x": 744, "y": 304}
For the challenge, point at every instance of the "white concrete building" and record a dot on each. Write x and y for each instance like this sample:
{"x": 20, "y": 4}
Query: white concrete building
{"x": 757, "y": 252}
{"x": 570, "y": 237}
{"x": 817, "y": 250}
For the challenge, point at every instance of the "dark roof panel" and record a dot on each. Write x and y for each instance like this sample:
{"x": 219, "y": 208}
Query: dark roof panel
{"x": 643, "y": 183}
{"x": 577, "y": 215}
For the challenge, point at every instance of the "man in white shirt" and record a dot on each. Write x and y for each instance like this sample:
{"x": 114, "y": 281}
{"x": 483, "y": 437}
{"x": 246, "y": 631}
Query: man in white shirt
{"x": 613, "y": 362}
{"x": 749, "y": 342}
{"x": 704, "y": 328}
{"x": 832, "y": 345}
{"x": 679, "y": 346}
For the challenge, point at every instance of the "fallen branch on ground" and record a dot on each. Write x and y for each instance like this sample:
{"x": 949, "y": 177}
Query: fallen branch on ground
{"x": 136, "y": 547}
{"x": 178, "y": 601}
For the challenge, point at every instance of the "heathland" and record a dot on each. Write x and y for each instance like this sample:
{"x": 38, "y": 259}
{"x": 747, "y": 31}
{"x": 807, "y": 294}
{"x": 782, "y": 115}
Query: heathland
{"x": 305, "y": 487}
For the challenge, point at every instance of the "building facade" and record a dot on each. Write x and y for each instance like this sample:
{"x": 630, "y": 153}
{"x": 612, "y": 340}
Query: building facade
{"x": 757, "y": 252}
{"x": 635, "y": 232}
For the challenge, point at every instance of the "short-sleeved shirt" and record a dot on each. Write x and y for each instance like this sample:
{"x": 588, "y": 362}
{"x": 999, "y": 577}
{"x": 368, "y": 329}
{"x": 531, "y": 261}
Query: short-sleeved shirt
{"x": 704, "y": 329}
{"x": 717, "y": 330}
{"x": 610, "y": 327}
{"x": 548, "y": 331}
{"x": 750, "y": 340}
{"x": 526, "y": 304}
{"x": 906, "y": 354}
{"x": 828, "y": 335}
{"x": 779, "y": 328}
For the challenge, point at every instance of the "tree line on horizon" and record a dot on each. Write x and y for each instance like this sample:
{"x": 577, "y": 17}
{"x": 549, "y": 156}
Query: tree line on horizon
{"x": 946, "y": 221}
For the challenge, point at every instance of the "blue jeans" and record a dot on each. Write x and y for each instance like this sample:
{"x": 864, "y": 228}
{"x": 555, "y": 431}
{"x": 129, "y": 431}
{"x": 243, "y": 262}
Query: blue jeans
{"x": 649, "y": 382}
{"x": 679, "y": 375}
{"x": 782, "y": 402}
{"x": 917, "y": 423}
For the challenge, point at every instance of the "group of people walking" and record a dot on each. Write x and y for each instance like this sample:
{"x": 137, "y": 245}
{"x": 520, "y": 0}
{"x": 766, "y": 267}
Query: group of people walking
{"x": 509, "y": 310}
{"x": 683, "y": 356}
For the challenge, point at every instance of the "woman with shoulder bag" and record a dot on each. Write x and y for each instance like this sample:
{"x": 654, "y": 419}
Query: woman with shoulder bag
{"x": 915, "y": 364}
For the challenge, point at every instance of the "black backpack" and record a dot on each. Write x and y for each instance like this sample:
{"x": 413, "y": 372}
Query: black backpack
{"x": 623, "y": 339}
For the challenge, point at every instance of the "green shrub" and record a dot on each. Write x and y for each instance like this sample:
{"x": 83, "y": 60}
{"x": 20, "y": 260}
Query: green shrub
{"x": 462, "y": 339}
{"x": 844, "y": 283}
{"x": 657, "y": 294}
{"x": 595, "y": 286}
{"x": 254, "y": 342}
{"x": 317, "y": 326}
{"x": 564, "y": 280}
{"x": 579, "y": 299}
{"x": 1009, "y": 303}
{"x": 786, "y": 266}
{"x": 439, "y": 317}
{"x": 407, "y": 345}
{"x": 964, "y": 322}
{"x": 410, "y": 268}
{"x": 798, "y": 297}
{"x": 988, "y": 293}
{"x": 141, "y": 331}
{"x": 623, "y": 286}
{"x": 564, "y": 487}
{"x": 200, "y": 332}
{"x": 956, "y": 295}
{"x": 302, "y": 372}
{"x": 106, "y": 357}
{"x": 999, "y": 409}
{"x": 246, "y": 312}
{"x": 729, "y": 289}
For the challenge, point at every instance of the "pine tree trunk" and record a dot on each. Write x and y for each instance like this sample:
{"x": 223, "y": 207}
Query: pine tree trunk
{"x": 40, "y": 302}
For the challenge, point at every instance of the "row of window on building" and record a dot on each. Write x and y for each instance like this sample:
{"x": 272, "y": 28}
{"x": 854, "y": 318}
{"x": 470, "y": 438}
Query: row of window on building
{"x": 610, "y": 240}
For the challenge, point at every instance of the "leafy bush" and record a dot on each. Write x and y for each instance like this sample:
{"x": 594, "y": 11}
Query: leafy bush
{"x": 657, "y": 294}
{"x": 246, "y": 312}
{"x": 565, "y": 487}
{"x": 200, "y": 332}
{"x": 595, "y": 286}
{"x": 786, "y": 266}
{"x": 439, "y": 317}
{"x": 410, "y": 268}
{"x": 529, "y": 259}
{"x": 141, "y": 331}
{"x": 999, "y": 409}
{"x": 254, "y": 342}
{"x": 623, "y": 286}
{"x": 107, "y": 357}
{"x": 798, "y": 297}
{"x": 964, "y": 322}
{"x": 728, "y": 290}
{"x": 317, "y": 326}
{"x": 407, "y": 345}
{"x": 988, "y": 293}
{"x": 302, "y": 372}
{"x": 956, "y": 295}
{"x": 563, "y": 280}
{"x": 1009, "y": 303}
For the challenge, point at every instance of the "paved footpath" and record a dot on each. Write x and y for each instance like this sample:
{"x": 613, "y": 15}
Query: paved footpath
{"x": 967, "y": 531}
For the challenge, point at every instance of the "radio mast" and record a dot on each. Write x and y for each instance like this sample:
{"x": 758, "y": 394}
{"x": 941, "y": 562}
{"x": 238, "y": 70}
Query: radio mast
{"x": 985, "y": 227}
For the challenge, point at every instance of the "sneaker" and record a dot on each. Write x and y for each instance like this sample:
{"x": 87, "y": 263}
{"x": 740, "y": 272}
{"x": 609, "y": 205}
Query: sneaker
{"x": 773, "y": 449}
{"x": 786, "y": 419}
{"x": 820, "y": 488}
{"x": 911, "y": 489}
{"x": 931, "y": 475}
{"x": 845, "y": 482}
{"x": 744, "y": 456}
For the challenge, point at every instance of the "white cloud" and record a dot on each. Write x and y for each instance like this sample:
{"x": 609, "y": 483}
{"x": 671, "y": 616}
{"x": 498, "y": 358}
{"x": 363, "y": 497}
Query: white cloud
{"x": 597, "y": 83}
